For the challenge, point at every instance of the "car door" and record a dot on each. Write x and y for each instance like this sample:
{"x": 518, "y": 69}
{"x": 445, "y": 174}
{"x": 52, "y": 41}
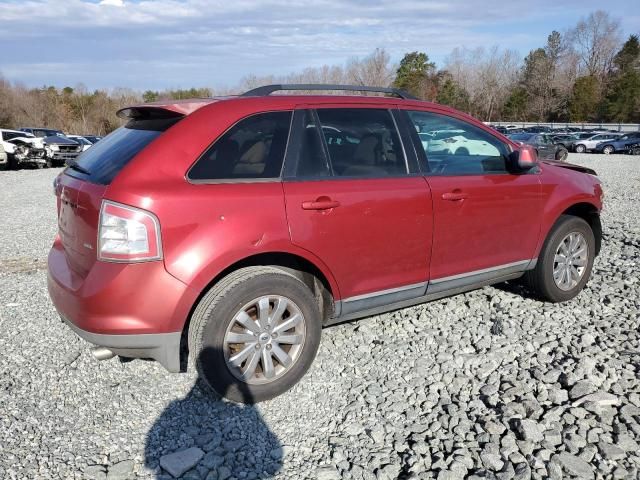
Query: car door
{"x": 486, "y": 220}
{"x": 353, "y": 201}
{"x": 544, "y": 145}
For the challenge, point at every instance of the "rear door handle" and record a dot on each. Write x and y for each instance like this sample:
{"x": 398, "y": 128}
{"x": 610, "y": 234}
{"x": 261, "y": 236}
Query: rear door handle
{"x": 320, "y": 205}
{"x": 454, "y": 196}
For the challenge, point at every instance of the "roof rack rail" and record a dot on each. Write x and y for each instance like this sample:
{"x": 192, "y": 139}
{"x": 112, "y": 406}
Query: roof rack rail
{"x": 269, "y": 89}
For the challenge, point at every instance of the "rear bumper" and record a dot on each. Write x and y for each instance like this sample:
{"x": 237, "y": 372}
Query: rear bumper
{"x": 135, "y": 310}
{"x": 162, "y": 347}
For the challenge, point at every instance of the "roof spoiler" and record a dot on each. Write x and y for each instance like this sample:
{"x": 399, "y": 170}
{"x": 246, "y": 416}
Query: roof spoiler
{"x": 147, "y": 112}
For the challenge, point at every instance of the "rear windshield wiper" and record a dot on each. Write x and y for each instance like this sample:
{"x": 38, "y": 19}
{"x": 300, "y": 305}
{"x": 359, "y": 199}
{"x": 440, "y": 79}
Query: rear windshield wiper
{"x": 72, "y": 164}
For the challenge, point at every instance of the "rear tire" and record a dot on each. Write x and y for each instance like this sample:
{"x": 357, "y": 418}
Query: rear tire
{"x": 547, "y": 279}
{"x": 580, "y": 148}
{"x": 231, "y": 311}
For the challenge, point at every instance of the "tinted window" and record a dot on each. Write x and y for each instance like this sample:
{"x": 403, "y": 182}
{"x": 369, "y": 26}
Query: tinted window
{"x": 107, "y": 158}
{"x": 12, "y": 135}
{"x": 252, "y": 148}
{"x": 362, "y": 142}
{"x": 455, "y": 147}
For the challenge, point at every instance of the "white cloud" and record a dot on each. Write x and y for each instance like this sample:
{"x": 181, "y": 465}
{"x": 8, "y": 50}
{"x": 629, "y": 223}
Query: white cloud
{"x": 175, "y": 43}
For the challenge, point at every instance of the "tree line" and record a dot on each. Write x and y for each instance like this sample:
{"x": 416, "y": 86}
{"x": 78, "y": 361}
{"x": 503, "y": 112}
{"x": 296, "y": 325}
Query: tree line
{"x": 585, "y": 74}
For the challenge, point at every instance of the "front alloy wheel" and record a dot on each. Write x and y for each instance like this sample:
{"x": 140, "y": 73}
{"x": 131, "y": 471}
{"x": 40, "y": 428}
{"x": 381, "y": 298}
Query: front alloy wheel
{"x": 608, "y": 150}
{"x": 570, "y": 261}
{"x": 565, "y": 261}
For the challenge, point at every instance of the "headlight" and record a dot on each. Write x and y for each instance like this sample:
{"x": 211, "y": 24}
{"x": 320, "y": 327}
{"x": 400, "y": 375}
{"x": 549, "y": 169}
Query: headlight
{"x": 54, "y": 148}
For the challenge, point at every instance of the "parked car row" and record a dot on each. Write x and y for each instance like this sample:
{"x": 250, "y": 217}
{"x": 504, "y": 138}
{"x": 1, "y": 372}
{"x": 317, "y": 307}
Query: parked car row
{"x": 602, "y": 142}
{"x": 40, "y": 147}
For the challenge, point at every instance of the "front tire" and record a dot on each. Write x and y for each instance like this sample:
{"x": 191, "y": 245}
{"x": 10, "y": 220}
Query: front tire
{"x": 580, "y": 148}
{"x": 255, "y": 334}
{"x": 565, "y": 261}
{"x": 608, "y": 150}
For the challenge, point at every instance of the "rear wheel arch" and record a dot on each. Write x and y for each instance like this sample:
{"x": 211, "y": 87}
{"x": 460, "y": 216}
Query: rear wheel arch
{"x": 321, "y": 284}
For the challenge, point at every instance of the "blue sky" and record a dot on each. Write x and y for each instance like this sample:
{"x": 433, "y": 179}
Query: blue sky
{"x": 158, "y": 44}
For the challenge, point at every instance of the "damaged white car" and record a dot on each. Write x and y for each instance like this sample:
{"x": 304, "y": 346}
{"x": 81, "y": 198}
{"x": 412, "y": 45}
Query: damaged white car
{"x": 59, "y": 148}
{"x": 23, "y": 148}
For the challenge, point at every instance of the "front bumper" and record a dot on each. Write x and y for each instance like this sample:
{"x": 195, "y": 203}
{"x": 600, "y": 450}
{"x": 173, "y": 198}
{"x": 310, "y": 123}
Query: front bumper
{"x": 134, "y": 310}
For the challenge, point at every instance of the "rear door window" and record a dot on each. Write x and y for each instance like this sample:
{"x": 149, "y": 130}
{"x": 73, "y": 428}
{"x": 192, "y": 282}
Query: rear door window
{"x": 107, "y": 158}
{"x": 362, "y": 142}
{"x": 252, "y": 149}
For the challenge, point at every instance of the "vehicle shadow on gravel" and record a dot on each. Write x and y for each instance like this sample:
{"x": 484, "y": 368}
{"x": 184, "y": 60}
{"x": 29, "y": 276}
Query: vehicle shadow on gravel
{"x": 202, "y": 436}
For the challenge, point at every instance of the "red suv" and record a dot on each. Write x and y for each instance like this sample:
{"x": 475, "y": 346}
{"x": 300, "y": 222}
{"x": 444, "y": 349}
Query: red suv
{"x": 243, "y": 225}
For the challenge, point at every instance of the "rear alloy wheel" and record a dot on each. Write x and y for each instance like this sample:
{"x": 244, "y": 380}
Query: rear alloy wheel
{"x": 255, "y": 333}
{"x": 580, "y": 148}
{"x": 608, "y": 150}
{"x": 264, "y": 339}
{"x": 565, "y": 261}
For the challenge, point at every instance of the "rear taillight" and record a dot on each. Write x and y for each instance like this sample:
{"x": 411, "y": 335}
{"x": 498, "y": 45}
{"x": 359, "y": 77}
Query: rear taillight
{"x": 127, "y": 234}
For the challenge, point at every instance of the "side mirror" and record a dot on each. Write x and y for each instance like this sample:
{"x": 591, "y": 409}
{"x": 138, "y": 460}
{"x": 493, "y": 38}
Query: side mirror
{"x": 523, "y": 159}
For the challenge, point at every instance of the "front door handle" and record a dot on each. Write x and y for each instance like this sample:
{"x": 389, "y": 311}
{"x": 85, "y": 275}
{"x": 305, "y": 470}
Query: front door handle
{"x": 321, "y": 204}
{"x": 455, "y": 196}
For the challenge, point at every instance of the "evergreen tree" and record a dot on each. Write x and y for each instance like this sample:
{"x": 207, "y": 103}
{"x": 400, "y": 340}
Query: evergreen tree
{"x": 583, "y": 104}
{"x": 622, "y": 102}
{"x": 413, "y": 73}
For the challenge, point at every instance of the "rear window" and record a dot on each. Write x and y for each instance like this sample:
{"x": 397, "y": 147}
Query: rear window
{"x": 105, "y": 159}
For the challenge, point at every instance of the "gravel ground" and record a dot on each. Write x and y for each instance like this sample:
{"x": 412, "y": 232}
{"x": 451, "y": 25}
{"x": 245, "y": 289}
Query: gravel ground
{"x": 487, "y": 384}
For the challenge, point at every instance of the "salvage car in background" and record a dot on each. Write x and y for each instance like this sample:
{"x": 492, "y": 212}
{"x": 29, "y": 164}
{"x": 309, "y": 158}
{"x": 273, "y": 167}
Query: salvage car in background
{"x": 86, "y": 144}
{"x": 43, "y": 132}
{"x": 545, "y": 147}
{"x": 22, "y": 149}
{"x": 619, "y": 145}
{"x": 58, "y": 147}
{"x": 588, "y": 144}
{"x": 4, "y": 160}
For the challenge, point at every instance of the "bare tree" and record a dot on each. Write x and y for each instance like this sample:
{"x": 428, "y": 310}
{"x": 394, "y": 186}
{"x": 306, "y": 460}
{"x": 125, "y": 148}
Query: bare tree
{"x": 375, "y": 70}
{"x": 596, "y": 39}
{"x": 486, "y": 75}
